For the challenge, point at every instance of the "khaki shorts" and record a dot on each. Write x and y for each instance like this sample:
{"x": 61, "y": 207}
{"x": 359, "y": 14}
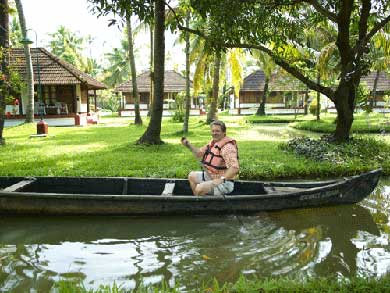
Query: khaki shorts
{"x": 221, "y": 189}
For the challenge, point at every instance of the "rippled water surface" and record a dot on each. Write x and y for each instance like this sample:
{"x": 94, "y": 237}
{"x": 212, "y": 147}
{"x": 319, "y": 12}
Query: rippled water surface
{"x": 340, "y": 241}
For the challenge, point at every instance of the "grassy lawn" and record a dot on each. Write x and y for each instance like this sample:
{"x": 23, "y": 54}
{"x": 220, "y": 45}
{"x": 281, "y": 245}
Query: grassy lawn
{"x": 363, "y": 123}
{"x": 277, "y": 118}
{"x": 109, "y": 149}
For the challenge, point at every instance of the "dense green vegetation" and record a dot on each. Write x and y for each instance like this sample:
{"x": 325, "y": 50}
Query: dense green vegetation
{"x": 356, "y": 151}
{"x": 257, "y": 285}
{"x": 363, "y": 123}
{"x": 109, "y": 149}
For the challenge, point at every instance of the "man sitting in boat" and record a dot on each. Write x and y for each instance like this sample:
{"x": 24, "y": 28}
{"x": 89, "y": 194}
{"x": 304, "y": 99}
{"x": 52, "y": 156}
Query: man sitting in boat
{"x": 219, "y": 160}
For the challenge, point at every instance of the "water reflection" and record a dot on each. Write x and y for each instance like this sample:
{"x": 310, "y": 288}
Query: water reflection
{"x": 325, "y": 237}
{"x": 338, "y": 241}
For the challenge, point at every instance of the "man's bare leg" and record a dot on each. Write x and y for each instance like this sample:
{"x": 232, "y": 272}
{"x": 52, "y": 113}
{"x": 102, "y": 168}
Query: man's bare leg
{"x": 194, "y": 181}
{"x": 204, "y": 188}
{"x": 199, "y": 187}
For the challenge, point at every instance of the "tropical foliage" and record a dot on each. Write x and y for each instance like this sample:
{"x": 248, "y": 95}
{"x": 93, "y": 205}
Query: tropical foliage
{"x": 276, "y": 29}
{"x": 29, "y": 78}
{"x": 69, "y": 46}
{"x": 15, "y": 33}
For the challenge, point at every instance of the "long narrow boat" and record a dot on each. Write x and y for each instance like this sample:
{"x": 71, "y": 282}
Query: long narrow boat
{"x": 147, "y": 196}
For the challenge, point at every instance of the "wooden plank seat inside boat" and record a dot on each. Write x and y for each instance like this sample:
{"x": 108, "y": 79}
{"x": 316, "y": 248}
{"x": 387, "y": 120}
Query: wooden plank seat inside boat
{"x": 19, "y": 185}
{"x": 8, "y": 181}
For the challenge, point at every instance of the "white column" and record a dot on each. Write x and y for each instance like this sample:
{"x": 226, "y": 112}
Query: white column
{"x": 78, "y": 98}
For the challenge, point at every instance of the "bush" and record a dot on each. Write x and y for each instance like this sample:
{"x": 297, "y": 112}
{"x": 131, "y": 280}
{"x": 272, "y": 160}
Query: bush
{"x": 313, "y": 107}
{"x": 325, "y": 149}
{"x": 178, "y": 116}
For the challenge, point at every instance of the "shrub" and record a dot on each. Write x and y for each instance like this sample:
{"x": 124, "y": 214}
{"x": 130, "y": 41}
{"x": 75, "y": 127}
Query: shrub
{"x": 313, "y": 107}
{"x": 178, "y": 116}
{"x": 325, "y": 149}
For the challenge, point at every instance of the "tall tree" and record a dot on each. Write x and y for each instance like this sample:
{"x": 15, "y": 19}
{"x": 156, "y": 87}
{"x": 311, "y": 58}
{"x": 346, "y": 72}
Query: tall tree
{"x": 188, "y": 94}
{"x": 268, "y": 66}
{"x": 153, "y": 131}
{"x": 213, "y": 109}
{"x": 282, "y": 23}
{"x": 143, "y": 10}
{"x": 137, "y": 119}
{"x": 69, "y": 46}
{"x": 117, "y": 70}
{"x": 29, "y": 78}
{"x": 321, "y": 41}
{"x": 151, "y": 34}
{"x": 4, "y": 46}
{"x": 205, "y": 61}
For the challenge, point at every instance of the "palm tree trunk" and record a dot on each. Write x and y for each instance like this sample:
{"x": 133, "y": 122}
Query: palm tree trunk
{"x": 261, "y": 109}
{"x": 4, "y": 54}
{"x": 137, "y": 120}
{"x": 318, "y": 99}
{"x": 373, "y": 98}
{"x": 305, "y": 105}
{"x": 29, "y": 67}
{"x": 188, "y": 96}
{"x": 151, "y": 95}
{"x": 152, "y": 133}
{"x": 212, "y": 114}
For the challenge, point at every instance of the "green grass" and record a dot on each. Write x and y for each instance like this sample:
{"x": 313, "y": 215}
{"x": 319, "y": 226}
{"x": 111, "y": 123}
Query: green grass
{"x": 363, "y": 123}
{"x": 109, "y": 149}
{"x": 277, "y": 118}
{"x": 246, "y": 285}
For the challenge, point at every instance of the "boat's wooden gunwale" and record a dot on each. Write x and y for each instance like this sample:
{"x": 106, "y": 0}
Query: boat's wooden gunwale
{"x": 120, "y": 197}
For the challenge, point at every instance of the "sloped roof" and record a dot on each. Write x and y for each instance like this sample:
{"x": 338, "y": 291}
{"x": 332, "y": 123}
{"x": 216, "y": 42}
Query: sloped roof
{"x": 173, "y": 82}
{"x": 283, "y": 82}
{"x": 280, "y": 82}
{"x": 383, "y": 81}
{"x": 52, "y": 70}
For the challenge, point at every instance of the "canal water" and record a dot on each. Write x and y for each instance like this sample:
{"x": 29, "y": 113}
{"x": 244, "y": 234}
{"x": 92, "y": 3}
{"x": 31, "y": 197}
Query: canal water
{"x": 340, "y": 241}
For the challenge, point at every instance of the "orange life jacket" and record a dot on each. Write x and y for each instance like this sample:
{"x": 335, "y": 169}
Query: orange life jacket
{"x": 212, "y": 159}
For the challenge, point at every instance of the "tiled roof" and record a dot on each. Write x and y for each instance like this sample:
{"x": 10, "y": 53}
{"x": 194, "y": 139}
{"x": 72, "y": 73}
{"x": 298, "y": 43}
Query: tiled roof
{"x": 283, "y": 82}
{"x": 52, "y": 70}
{"x": 280, "y": 82}
{"x": 383, "y": 81}
{"x": 173, "y": 82}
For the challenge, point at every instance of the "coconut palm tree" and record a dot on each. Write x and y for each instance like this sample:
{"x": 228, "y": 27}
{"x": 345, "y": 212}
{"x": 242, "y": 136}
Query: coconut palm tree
{"x": 137, "y": 119}
{"x": 67, "y": 45}
{"x": 29, "y": 68}
{"x": 15, "y": 35}
{"x": 213, "y": 109}
{"x": 208, "y": 74}
{"x": 118, "y": 69}
{"x": 4, "y": 45}
{"x": 321, "y": 42}
{"x": 188, "y": 94}
{"x": 268, "y": 66}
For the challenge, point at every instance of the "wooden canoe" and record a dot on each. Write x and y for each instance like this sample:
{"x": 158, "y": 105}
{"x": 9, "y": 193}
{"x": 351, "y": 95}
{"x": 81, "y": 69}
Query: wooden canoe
{"x": 148, "y": 196}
